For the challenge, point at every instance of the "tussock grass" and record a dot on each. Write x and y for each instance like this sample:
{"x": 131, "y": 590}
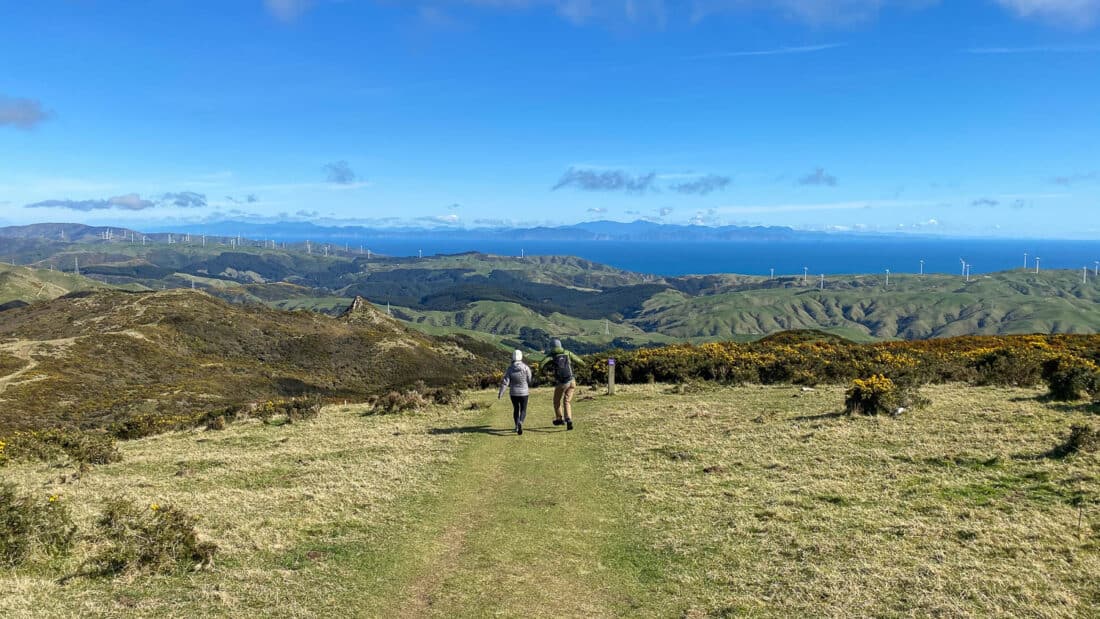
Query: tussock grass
{"x": 946, "y": 511}
{"x": 726, "y": 501}
{"x": 302, "y": 515}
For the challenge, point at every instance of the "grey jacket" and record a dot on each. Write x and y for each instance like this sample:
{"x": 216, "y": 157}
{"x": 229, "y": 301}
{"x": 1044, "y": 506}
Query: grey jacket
{"x": 518, "y": 378}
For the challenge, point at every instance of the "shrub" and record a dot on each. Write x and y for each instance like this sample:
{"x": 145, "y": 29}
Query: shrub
{"x": 872, "y": 396}
{"x": 159, "y": 539}
{"x": 1010, "y": 367}
{"x": 1082, "y": 438}
{"x": 217, "y": 423}
{"x": 47, "y": 445}
{"x": 1070, "y": 378}
{"x": 26, "y": 524}
{"x": 395, "y": 402}
{"x": 294, "y": 409}
{"x": 303, "y": 409}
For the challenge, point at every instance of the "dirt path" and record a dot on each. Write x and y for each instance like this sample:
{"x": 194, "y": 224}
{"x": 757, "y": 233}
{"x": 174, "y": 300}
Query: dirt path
{"x": 528, "y": 527}
{"x": 26, "y": 350}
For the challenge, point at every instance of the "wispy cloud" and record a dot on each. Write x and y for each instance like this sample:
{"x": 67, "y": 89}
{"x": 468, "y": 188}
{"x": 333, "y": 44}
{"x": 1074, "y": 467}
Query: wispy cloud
{"x": 822, "y": 206}
{"x": 340, "y": 172}
{"x": 607, "y": 180}
{"x": 1070, "y": 179}
{"x": 184, "y": 199}
{"x": 1068, "y": 13}
{"x": 126, "y": 202}
{"x": 1036, "y": 49}
{"x": 813, "y": 12}
{"x": 75, "y": 205}
{"x": 818, "y": 177}
{"x": 703, "y": 185}
{"x": 778, "y": 51}
{"x": 597, "y": 210}
{"x": 287, "y": 10}
{"x": 985, "y": 202}
{"x": 131, "y": 202}
{"x": 21, "y": 113}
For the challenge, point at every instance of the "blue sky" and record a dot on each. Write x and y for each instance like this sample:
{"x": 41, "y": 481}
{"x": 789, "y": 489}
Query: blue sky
{"x": 962, "y": 118}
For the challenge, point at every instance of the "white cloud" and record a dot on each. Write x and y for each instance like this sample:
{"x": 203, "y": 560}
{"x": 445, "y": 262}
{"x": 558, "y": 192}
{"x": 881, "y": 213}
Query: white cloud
{"x": 778, "y": 51}
{"x": 826, "y": 206}
{"x": 1070, "y": 13}
{"x": 287, "y": 10}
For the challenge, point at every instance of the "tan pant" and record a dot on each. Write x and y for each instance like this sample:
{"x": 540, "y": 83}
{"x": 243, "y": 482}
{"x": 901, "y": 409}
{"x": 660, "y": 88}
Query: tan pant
{"x": 564, "y": 394}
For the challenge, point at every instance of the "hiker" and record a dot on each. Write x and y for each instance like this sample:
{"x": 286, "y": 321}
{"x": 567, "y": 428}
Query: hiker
{"x": 560, "y": 362}
{"x": 517, "y": 379}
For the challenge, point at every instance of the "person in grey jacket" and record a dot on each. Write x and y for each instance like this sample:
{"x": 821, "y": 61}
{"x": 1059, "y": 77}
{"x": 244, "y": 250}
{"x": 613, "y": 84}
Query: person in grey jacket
{"x": 517, "y": 379}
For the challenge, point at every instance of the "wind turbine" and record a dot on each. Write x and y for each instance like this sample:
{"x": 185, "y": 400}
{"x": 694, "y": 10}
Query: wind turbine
{"x": 1037, "y": 263}
{"x": 1025, "y": 260}
{"x": 968, "y": 272}
{"x": 1096, "y": 269}
{"x": 772, "y": 276}
{"x": 922, "y": 267}
{"x": 823, "y": 281}
{"x": 963, "y": 266}
{"x": 805, "y": 274}
{"x": 887, "y": 278}
{"x": 1084, "y": 275}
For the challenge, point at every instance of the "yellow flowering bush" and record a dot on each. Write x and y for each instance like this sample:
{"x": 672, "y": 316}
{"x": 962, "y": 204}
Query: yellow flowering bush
{"x": 159, "y": 539}
{"x": 28, "y": 525}
{"x": 871, "y": 396}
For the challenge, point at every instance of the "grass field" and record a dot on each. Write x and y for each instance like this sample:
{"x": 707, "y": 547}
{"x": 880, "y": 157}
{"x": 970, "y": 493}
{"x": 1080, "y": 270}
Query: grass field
{"x": 665, "y": 501}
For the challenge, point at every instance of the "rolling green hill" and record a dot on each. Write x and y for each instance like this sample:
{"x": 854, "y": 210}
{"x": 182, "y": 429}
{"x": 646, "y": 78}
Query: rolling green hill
{"x": 29, "y": 284}
{"x": 526, "y": 301}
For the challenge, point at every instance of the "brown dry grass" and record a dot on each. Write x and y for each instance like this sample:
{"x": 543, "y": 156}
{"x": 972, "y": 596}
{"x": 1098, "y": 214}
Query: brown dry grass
{"x": 774, "y": 506}
{"x": 759, "y": 501}
{"x": 302, "y": 515}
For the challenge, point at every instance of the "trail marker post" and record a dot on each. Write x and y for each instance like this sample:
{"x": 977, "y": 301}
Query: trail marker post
{"x": 611, "y": 376}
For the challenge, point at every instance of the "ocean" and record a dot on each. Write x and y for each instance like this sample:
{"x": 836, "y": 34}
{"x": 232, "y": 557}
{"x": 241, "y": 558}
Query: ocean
{"x": 830, "y": 257}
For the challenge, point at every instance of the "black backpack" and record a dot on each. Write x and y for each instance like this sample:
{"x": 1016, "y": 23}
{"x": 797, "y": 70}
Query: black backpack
{"x": 563, "y": 372}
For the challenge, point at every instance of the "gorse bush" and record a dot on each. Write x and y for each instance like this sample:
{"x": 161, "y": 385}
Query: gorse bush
{"x": 54, "y": 444}
{"x": 1082, "y": 438}
{"x": 291, "y": 410}
{"x": 872, "y": 396}
{"x": 1072, "y": 378}
{"x": 396, "y": 402}
{"x": 27, "y": 525}
{"x": 420, "y": 396}
{"x": 1010, "y": 367}
{"x": 813, "y": 358}
{"x": 156, "y": 538}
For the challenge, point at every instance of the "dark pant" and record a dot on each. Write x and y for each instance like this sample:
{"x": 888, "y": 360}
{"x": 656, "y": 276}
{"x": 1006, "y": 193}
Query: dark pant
{"x": 519, "y": 408}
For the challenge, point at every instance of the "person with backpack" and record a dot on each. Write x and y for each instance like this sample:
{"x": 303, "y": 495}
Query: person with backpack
{"x": 517, "y": 379}
{"x": 560, "y": 362}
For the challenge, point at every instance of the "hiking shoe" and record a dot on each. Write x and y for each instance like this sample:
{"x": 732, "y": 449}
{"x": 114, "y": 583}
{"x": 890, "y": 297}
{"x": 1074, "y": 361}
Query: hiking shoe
{"x": 568, "y": 424}
{"x": 558, "y": 422}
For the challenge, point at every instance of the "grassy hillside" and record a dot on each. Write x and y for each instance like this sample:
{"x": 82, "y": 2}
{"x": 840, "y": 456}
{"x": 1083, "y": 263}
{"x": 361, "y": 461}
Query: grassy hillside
{"x": 522, "y": 300}
{"x": 712, "y": 503}
{"x": 30, "y": 284}
{"x": 913, "y": 307}
{"x": 91, "y": 359}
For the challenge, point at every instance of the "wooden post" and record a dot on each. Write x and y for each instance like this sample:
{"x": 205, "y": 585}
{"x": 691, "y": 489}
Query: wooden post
{"x": 611, "y": 376}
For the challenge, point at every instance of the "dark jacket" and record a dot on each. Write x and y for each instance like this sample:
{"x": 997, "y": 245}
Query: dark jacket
{"x": 552, "y": 361}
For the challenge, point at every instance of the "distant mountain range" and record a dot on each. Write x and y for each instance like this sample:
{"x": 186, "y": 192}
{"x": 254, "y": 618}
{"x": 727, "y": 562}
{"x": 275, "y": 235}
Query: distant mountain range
{"x": 588, "y": 231}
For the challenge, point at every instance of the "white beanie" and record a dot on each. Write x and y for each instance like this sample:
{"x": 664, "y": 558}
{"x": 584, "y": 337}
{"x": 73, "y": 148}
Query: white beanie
{"x": 517, "y": 356}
